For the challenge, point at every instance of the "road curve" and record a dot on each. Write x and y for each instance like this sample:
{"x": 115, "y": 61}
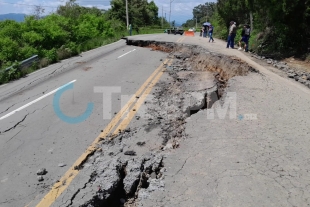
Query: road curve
{"x": 33, "y": 136}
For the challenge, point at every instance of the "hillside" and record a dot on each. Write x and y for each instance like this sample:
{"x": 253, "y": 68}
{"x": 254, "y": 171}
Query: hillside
{"x": 12, "y": 16}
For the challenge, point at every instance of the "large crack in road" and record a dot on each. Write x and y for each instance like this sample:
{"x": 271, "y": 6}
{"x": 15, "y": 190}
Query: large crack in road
{"x": 129, "y": 167}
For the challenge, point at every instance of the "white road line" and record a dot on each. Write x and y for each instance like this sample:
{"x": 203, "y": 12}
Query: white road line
{"x": 34, "y": 101}
{"x": 48, "y": 67}
{"x": 126, "y": 53}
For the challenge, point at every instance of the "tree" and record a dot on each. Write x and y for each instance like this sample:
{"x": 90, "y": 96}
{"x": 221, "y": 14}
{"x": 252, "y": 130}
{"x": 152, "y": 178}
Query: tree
{"x": 190, "y": 23}
{"x": 283, "y": 24}
{"x": 141, "y": 12}
{"x": 204, "y": 11}
{"x": 38, "y": 11}
{"x": 233, "y": 10}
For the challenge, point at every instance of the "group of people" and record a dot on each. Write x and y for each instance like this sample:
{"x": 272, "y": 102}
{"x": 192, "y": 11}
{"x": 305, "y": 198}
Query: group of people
{"x": 245, "y": 36}
{"x": 207, "y": 30}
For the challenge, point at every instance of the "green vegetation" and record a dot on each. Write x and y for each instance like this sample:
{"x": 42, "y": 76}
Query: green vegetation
{"x": 70, "y": 31}
{"x": 279, "y": 27}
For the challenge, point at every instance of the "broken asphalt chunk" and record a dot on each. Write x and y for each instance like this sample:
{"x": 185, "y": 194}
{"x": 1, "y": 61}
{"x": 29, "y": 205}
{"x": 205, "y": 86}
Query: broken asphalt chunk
{"x": 40, "y": 178}
{"x": 130, "y": 152}
{"x": 41, "y": 171}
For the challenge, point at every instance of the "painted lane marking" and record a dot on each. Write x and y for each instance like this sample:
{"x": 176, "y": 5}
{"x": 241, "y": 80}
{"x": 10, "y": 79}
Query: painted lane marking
{"x": 181, "y": 39}
{"x": 138, "y": 104}
{"x": 59, "y": 187}
{"x": 34, "y": 101}
{"x": 65, "y": 60}
{"x": 126, "y": 53}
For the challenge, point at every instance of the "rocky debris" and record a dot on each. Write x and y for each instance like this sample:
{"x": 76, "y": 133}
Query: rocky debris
{"x": 130, "y": 152}
{"x": 109, "y": 177}
{"x": 42, "y": 171}
{"x": 118, "y": 179}
{"x": 133, "y": 171}
{"x": 300, "y": 76}
{"x": 61, "y": 165}
{"x": 121, "y": 177}
{"x": 154, "y": 185}
{"x": 168, "y": 146}
{"x": 40, "y": 178}
{"x": 195, "y": 101}
{"x": 198, "y": 58}
{"x": 182, "y": 56}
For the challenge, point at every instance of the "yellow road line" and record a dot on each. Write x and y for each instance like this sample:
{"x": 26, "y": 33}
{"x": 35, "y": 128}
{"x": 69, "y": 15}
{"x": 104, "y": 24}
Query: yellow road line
{"x": 135, "y": 108}
{"x": 65, "y": 181}
{"x": 181, "y": 39}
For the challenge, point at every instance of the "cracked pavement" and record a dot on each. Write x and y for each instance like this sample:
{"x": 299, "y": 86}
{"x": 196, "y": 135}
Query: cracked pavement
{"x": 260, "y": 160}
{"x": 244, "y": 162}
{"x": 35, "y": 137}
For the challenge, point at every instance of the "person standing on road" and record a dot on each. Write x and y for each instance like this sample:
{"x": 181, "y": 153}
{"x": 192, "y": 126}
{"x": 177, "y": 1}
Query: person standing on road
{"x": 242, "y": 37}
{"x": 130, "y": 29}
{"x": 211, "y": 33}
{"x": 245, "y": 38}
{"x": 205, "y": 30}
{"x": 231, "y": 35}
{"x": 201, "y": 32}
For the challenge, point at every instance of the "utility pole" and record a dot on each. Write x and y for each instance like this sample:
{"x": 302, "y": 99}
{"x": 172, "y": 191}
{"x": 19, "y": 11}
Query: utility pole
{"x": 162, "y": 16}
{"x": 170, "y": 12}
{"x": 127, "y": 18}
{"x": 196, "y": 23}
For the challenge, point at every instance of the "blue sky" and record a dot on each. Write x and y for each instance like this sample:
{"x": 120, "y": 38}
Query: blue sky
{"x": 181, "y": 10}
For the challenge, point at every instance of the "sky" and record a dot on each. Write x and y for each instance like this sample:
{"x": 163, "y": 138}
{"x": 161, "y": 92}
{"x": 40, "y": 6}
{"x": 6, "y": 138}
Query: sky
{"x": 181, "y": 10}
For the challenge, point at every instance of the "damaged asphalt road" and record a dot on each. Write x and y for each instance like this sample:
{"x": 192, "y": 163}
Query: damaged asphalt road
{"x": 129, "y": 167}
{"x": 182, "y": 147}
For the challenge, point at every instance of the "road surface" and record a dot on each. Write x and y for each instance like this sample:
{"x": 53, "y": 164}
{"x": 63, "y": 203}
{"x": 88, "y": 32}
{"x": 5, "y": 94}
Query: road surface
{"x": 33, "y": 136}
{"x": 258, "y": 161}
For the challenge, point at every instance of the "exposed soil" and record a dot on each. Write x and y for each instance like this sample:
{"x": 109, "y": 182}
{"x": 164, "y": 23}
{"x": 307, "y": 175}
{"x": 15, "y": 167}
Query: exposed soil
{"x": 302, "y": 65}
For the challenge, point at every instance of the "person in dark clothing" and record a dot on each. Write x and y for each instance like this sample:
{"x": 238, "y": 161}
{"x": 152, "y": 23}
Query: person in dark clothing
{"x": 231, "y": 35}
{"x": 211, "y": 33}
{"x": 245, "y": 34}
{"x": 205, "y": 29}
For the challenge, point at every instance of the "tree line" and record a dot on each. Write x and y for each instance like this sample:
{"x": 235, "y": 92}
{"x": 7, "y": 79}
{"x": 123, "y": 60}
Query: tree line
{"x": 279, "y": 27}
{"x": 70, "y": 30}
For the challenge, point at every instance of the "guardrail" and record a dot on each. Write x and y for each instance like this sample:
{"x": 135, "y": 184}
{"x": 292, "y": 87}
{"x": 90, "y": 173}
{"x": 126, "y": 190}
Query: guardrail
{"x": 26, "y": 63}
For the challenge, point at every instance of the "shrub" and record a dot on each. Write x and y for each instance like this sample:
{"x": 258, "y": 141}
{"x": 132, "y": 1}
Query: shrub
{"x": 51, "y": 55}
{"x": 43, "y": 63}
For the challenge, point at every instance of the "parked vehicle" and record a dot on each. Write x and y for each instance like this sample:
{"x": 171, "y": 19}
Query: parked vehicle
{"x": 175, "y": 31}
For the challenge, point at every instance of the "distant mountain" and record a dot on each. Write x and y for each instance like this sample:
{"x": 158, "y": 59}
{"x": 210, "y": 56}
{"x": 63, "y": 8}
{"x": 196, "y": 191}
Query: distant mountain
{"x": 12, "y": 16}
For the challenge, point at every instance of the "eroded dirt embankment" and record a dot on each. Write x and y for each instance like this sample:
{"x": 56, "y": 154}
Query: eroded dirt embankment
{"x": 200, "y": 59}
{"x": 129, "y": 167}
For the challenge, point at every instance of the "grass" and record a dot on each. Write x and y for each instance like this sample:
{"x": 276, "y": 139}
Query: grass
{"x": 64, "y": 53}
